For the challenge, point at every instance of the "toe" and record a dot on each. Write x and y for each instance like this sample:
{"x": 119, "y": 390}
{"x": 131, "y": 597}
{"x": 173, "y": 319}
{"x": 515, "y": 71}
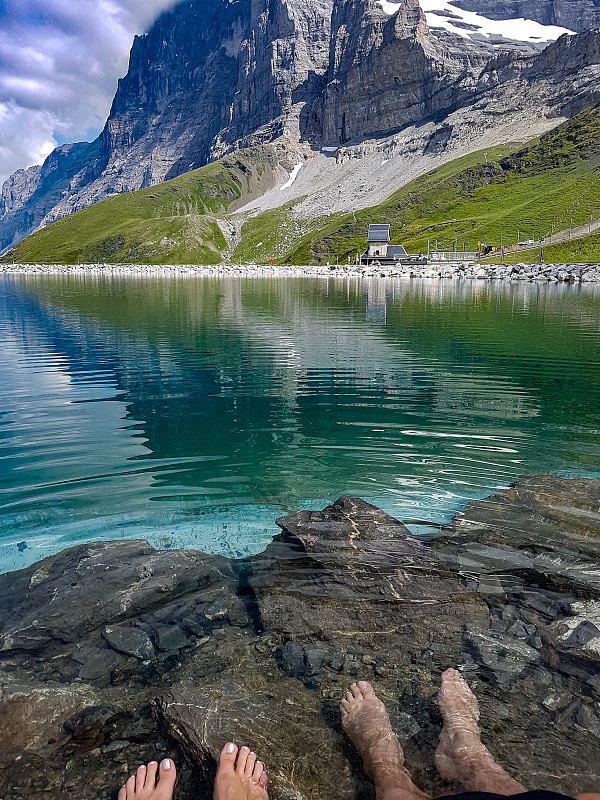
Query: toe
{"x": 355, "y": 692}
{"x": 263, "y": 780}
{"x": 227, "y": 757}
{"x": 123, "y": 794}
{"x": 140, "y": 778}
{"x": 349, "y": 696}
{"x": 130, "y": 788}
{"x": 167, "y": 775}
{"x": 258, "y": 771}
{"x": 366, "y": 689}
{"x": 151, "y": 771}
{"x": 345, "y": 707}
{"x": 240, "y": 764}
{"x": 250, "y": 763}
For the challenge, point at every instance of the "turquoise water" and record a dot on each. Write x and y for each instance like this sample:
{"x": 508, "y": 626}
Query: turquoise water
{"x": 194, "y": 411}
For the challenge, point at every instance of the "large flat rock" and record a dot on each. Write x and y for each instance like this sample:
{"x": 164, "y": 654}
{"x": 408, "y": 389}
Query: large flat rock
{"x": 112, "y": 654}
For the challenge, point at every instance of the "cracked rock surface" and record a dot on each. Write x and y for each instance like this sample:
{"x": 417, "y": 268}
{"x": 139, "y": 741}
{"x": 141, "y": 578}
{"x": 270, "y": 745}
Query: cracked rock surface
{"x": 113, "y": 654}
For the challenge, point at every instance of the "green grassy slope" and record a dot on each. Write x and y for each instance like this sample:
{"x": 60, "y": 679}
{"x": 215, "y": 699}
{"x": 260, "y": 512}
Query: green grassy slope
{"x": 580, "y": 251}
{"x": 551, "y": 181}
{"x": 172, "y": 223}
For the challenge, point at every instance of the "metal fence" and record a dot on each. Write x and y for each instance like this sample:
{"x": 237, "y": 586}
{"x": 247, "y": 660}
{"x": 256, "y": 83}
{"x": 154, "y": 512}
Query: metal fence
{"x": 451, "y": 256}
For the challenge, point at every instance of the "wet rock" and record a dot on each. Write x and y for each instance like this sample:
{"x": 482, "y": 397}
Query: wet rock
{"x": 170, "y": 638}
{"x": 405, "y": 726}
{"x": 588, "y": 720}
{"x": 281, "y": 720}
{"x": 556, "y": 701}
{"x": 293, "y": 660}
{"x": 594, "y": 682}
{"x": 504, "y": 655}
{"x": 68, "y": 596}
{"x": 341, "y": 594}
{"x": 576, "y": 640}
{"x": 131, "y": 641}
{"x": 583, "y": 634}
{"x": 91, "y": 726}
{"x": 482, "y": 558}
{"x": 97, "y": 665}
{"x": 550, "y": 521}
{"x": 354, "y": 571}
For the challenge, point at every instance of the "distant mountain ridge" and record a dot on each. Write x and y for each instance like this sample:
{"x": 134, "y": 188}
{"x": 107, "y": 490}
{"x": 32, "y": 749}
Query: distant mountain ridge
{"x": 213, "y": 76}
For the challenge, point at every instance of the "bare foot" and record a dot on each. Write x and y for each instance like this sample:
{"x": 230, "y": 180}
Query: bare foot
{"x": 460, "y": 737}
{"x": 240, "y": 776}
{"x": 461, "y": 755}
{"x": 365, "y": 721}
{"x": 144, "y": 786}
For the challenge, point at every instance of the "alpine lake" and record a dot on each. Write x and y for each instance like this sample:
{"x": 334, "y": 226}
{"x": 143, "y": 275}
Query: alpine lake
{"x": 190, "y": 413}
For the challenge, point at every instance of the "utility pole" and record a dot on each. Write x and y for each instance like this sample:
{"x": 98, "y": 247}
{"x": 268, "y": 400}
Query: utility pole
{"x": 590, "y": 228}
{"x": 551, "y": 232}
{"x": 542, "y": 255}
{"x": 571, "y": 227}
{"x": 502, "y": 253}
{"x": 518, "y": 236}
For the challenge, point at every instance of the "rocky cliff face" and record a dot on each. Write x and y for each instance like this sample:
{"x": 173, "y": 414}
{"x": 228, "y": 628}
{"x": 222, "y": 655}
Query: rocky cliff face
{"x": 386, "y": 72}
{"x": 209, "y": 77}
{"x": 213, "y": 76}
{"x": 578, "y": 15}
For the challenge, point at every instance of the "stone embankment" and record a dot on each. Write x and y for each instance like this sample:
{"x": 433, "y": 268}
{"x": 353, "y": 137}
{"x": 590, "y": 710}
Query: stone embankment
{"x": 113, "y": 653}
{"x": 552, "y": 273}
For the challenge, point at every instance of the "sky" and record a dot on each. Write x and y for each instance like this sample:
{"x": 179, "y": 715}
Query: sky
{"x": 59, "y": 65}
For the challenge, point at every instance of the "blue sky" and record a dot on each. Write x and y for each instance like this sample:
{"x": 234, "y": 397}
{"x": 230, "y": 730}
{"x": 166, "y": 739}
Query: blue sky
{"x": 59, "y": 65}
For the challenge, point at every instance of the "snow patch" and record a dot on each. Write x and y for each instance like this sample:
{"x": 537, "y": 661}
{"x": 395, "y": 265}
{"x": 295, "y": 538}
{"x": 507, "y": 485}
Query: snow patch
{"x": 292, "y": 178}
{"x": 443, "y": 14}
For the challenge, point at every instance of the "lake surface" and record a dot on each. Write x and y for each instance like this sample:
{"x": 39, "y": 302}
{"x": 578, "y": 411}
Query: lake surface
{"x": 195, "y": 411}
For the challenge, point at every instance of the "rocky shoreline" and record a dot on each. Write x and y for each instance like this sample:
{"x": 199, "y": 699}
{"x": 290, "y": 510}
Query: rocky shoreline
{"x": 113, "y": 653}
{"x": 542, "y": 273}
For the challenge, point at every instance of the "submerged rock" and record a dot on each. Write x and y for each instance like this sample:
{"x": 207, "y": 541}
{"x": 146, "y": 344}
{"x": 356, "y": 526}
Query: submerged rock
{"x": 112, "y": 654}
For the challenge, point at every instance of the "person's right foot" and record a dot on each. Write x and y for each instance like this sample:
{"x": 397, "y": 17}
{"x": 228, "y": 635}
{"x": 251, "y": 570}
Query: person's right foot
{"x": 460, "y": 743}
{"x": 365, "y": 721}
{"x": 240, "y": 776}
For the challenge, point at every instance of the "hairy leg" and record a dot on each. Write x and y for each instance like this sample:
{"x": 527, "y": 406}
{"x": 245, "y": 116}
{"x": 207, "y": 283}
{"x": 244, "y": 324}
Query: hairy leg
{"x": 366, "y": 723}
{"x": 461, "y": 755}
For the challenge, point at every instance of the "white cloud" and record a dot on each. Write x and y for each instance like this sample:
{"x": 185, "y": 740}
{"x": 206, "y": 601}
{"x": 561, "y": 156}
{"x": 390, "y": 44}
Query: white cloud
{"x": 59, "y": 64}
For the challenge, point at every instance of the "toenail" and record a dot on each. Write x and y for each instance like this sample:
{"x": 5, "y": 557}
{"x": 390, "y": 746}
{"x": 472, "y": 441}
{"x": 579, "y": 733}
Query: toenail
{"x": 166, "y": 764}
{"x": 362, "y": 685}
{"x": 230, "y": 748}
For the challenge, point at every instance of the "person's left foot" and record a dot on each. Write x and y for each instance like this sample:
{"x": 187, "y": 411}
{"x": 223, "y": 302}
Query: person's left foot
{"x": 240, "y": 775}
{"x": 144, "y": 786}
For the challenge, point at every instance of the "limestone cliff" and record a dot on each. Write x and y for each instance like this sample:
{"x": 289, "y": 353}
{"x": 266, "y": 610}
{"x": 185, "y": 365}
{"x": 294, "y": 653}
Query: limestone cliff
{"x": 388, "y": 71}
{"x": 209, "y": 77}
{"x": 213, "y": 76}
{"x": 577, "y": 15}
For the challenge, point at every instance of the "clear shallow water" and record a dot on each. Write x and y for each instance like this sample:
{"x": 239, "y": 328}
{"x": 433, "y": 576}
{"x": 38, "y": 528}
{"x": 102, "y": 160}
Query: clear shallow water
{"x": 193, "y": 412}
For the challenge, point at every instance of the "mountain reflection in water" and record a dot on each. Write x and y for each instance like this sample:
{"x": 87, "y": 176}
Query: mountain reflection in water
{"x": 192, "y": 412}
